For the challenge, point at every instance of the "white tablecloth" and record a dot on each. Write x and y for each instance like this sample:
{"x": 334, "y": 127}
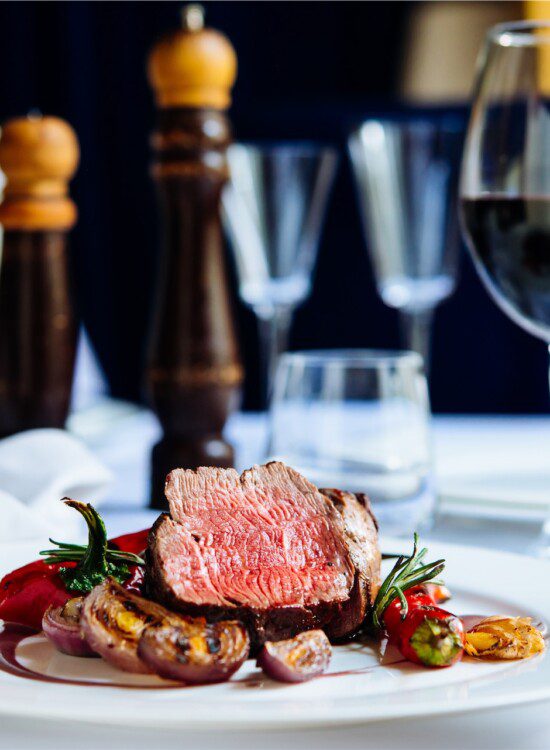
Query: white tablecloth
{"x": 510, "y": 448}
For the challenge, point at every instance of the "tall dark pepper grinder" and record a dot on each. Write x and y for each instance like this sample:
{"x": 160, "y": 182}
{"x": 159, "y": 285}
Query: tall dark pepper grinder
{"x": 194, "y": 372}
{"x": 38, "y": 156}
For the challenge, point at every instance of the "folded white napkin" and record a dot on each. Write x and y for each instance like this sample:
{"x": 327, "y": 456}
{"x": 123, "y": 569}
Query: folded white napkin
{"x": 37, "y": 469}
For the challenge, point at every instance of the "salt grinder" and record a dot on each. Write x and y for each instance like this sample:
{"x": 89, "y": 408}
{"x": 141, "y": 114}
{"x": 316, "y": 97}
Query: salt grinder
{"x": 38, "y": 331}
{"x": 194, "y": 372}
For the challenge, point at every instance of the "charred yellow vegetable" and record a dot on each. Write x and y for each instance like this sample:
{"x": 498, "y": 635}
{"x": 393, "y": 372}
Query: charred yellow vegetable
{"x": 501, "y": 637}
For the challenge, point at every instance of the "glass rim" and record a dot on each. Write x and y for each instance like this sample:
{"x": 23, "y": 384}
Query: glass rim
{"x": 295, "y": 148}
{"x": 419, "y": 124}
{"x": 520, "y": 33}
{"x": 353, "y": 358}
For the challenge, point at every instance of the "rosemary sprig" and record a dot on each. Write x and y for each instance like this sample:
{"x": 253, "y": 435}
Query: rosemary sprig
{"x": 78, "y": 551}
{"x": 407, "y": 572}
{"x": 95, "y": 561}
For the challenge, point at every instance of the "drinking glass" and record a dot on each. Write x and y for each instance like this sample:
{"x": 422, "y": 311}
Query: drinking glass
{"x": 505, "y": 179}
{"x": 407, "y": 183}
{"x": 358, "y": 420}
{"x": 273, "y": 207}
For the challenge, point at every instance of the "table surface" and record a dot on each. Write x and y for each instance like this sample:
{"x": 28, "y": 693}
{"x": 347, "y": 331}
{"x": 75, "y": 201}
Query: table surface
{"x": 122, "y": 437}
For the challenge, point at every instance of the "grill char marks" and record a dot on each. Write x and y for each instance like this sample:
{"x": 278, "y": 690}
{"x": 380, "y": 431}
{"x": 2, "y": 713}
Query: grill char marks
{"x": 267, "y": 548}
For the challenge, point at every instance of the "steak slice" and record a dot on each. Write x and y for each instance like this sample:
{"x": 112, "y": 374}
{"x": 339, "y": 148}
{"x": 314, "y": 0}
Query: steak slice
{"x": 267, "y": 548}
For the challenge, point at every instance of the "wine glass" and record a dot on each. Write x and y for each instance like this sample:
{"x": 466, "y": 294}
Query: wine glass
{"x": 407, "y": 183}
{"x": 273, "y": 208}
{"x": 505, "y": 179}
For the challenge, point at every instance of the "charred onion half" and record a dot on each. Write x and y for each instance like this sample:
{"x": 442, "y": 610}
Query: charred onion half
{"x": 113, "y": 620}
{"x": 192, "y": 650}
{"x": 61, "y": 625}
{"x": 137, "y": 635}
{"x": 297, "y": 659}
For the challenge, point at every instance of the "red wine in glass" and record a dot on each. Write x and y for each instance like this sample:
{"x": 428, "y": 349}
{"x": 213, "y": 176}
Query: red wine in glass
{"x": 509, "y": 238}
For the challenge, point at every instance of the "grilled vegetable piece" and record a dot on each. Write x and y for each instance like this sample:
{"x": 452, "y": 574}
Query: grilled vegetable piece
{"x": 430, "y": 636}
{"x": 26, "y": 593}
{"x": 405, "y": 608}
{"x": 138, "y": 635}
{"x": 297, "y": 659}
{"x": 501, "y": 637}
{"x": 61, "y": 625}
{"x": 113, "y": 620}
{"x": 192, "y": 650}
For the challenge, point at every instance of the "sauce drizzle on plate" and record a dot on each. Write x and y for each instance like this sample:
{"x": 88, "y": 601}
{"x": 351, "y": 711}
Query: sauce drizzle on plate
{"x": 12, "y": 635}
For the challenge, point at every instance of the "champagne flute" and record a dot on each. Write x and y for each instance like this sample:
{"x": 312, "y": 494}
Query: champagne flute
{"x": 505, "y": 180}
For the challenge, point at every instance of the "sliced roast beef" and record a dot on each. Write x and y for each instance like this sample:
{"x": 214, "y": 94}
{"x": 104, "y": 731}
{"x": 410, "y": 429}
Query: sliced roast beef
{"x": 267, "y": 548}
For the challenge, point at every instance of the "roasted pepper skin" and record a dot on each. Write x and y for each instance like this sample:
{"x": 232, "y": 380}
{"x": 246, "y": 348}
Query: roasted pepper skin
{"x": 428, "y": 635}
{"x": 27, "y": 592}
{"x": 416, "y": 597}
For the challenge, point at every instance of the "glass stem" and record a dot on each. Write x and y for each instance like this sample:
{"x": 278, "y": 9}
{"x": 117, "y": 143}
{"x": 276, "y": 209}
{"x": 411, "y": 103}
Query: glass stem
{"x": 273, "y": 330}
{"x": 417, "y": 329}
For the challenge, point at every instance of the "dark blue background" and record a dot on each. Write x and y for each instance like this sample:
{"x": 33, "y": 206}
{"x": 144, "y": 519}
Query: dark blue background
{"x": 307, "y": 70}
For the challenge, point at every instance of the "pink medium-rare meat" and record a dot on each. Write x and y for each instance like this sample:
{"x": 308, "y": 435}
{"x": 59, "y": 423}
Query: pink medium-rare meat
{"x": 264, "y": 540}
{"x": 267, "y": 548}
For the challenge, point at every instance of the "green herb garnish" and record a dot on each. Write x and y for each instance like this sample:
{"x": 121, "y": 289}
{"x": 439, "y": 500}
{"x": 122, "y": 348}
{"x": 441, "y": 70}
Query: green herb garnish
{"x": 95, "y": 561}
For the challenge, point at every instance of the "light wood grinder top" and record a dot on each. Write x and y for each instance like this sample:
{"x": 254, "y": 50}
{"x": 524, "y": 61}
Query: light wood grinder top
{"x": 38, "y": 155}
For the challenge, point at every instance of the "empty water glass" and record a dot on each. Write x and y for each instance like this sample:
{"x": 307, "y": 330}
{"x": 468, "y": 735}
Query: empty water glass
{"x": 407, "y": 180}
{"x": 358, "y": 420}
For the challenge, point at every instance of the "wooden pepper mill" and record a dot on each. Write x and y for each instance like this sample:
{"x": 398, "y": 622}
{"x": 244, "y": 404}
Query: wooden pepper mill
{"x": 38, "y": 156}
{"x": 194, "y": 373}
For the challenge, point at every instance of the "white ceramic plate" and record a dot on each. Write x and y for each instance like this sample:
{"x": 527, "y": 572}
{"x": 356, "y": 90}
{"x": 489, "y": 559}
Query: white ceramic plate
{"x": 482, "y": 582}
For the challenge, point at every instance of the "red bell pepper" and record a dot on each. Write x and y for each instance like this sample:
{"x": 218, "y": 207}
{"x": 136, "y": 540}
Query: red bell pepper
{"x": 27, "y": 592}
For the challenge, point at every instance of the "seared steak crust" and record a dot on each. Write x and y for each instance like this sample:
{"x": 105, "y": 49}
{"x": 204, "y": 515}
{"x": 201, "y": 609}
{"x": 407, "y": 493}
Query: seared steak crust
{"x": 267, "y": 548}
{"x": 361, "y": 530}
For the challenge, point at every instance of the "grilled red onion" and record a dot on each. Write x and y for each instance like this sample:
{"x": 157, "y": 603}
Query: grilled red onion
{"x": 61, "y": 625}
{"x": 192, "y": 650}
{"x": 296, "y": 659}
{"x": 113, "y": 620}
{"x": 138, "y": 635}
